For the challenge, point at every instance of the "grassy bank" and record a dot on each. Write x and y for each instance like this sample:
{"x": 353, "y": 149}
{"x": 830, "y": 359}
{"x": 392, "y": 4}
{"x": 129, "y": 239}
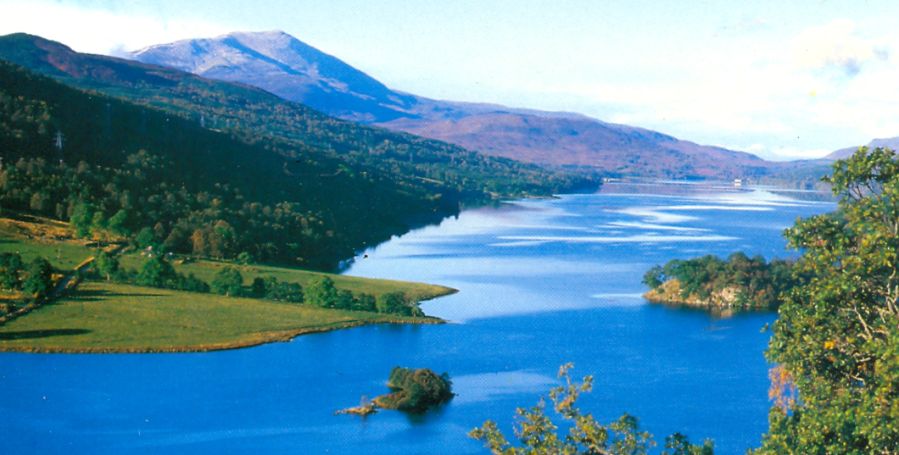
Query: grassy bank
{"x": 206, "y": 270}
{"x": 108, "y": 317}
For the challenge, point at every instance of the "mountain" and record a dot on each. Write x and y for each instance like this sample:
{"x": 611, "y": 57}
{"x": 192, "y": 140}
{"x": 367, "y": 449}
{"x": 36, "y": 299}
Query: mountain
{"x": 290, "y": 68}
{"x": 297, "y": 185}
{"x": 617, "y": 150}
{"x": 254, "y": 116}
{"x": 287, "y": 67}
{"x": 890, "y": 142}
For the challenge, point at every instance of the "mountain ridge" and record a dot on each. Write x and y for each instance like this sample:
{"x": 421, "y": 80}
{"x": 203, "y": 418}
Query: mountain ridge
{"x": 546, "y": 138}
{"x": 889, "y": 142}
{"x": 295, "y": 70}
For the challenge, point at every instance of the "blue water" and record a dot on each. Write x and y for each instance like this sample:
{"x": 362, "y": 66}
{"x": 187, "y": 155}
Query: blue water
{"x": 541, "y": 283}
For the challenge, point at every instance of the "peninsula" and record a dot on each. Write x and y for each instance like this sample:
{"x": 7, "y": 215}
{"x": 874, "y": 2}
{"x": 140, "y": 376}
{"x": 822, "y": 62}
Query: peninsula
{"x": 117, "y": 312}
{"x": 738, "y": 283}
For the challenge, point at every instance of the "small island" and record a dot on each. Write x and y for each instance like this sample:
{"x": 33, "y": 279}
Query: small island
{"x": 736, "y": 284}
{"x": 412, "y": 390}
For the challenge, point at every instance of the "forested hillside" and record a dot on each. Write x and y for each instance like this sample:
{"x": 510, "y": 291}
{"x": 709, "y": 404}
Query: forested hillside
{"x": 109, "y": 165}
{"x": 129, "y": 169}
{"x": 216, "y": 169}
{"x": 257, "y": 117}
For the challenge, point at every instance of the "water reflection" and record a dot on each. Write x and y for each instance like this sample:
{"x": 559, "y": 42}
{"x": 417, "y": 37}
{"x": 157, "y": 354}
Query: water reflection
{"x": 475, "y": 388}
{"x": 548, "y": 255}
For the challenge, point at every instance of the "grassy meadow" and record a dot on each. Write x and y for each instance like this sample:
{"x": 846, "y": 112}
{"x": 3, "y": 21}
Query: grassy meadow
{"x": 32, "y": 237}
{"x": 206, "y": 270}
{"x": 110, "y": 317}
{"x": 113, "y": 317}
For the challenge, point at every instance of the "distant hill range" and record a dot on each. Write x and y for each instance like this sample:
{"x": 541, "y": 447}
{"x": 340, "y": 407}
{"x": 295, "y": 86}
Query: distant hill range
{"x": 890, "y": 142}
{"x": 293, "y": 70}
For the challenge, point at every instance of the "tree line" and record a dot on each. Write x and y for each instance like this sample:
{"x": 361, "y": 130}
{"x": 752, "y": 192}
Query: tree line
{"x": 321, "y": 292}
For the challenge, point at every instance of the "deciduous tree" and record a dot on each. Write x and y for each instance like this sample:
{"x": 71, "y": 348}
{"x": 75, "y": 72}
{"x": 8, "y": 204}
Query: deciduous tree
{"x": 10, "y": 270}
{"x": 393, "y": 302}
{"x": 157, "y": 272}
{"x": 107, "y": 265}
{"x": 538, "y": 434}
{"x": 228, "y": 281}
{"x": 322, "y": 293}
{"x": 39, "y": 281}
{"x": 837, "y": 337}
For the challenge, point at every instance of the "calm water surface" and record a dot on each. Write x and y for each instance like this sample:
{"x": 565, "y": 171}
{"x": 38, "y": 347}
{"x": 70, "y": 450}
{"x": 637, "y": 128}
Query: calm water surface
{"x": 541, "y": 283}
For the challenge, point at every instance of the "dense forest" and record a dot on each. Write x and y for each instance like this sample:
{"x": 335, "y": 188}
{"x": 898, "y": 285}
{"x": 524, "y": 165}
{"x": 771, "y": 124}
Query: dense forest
{"x": 169, "y": 183}
{"x": 740, "y": 282}
{"x": 113, "y": 167}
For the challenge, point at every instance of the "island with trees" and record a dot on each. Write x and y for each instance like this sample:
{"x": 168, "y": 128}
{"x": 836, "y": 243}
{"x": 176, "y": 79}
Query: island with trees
{"x": 411, "y": 390}
{"x": 737, "y": 283}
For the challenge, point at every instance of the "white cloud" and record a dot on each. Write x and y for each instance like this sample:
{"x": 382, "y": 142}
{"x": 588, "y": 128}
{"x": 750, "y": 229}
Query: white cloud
{"x": 837, "y": 46}
{"x": 830, "y": 86}
{"x": 99, "y": 31}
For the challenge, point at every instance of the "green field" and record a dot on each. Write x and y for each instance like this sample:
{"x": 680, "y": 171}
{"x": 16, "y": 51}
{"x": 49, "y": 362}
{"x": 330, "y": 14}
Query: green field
{"x": 108, "y": 317}
{"x": 112, "y": 317}
{"x": 206, "y": 270}
{"x": 63, "y": 255}
{"x": 32, "y": 237}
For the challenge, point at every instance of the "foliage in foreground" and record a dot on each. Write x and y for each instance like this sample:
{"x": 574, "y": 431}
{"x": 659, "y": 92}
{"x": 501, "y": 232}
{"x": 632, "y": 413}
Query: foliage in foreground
{"x": 837, "y": 337}
{"x": 538, "y": 434}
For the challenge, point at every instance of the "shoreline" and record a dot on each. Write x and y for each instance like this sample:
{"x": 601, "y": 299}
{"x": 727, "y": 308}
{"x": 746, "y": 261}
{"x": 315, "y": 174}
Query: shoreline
{"x": 720, "y": 304}
{"x": 281, "y": 336}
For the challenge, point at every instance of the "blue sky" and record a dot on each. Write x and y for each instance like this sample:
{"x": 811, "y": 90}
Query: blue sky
{"x": 780, "y": 79}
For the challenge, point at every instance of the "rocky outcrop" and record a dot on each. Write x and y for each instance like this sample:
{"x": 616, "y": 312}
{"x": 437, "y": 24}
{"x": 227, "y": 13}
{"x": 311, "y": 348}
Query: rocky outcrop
{"x": 669, "y": 293}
